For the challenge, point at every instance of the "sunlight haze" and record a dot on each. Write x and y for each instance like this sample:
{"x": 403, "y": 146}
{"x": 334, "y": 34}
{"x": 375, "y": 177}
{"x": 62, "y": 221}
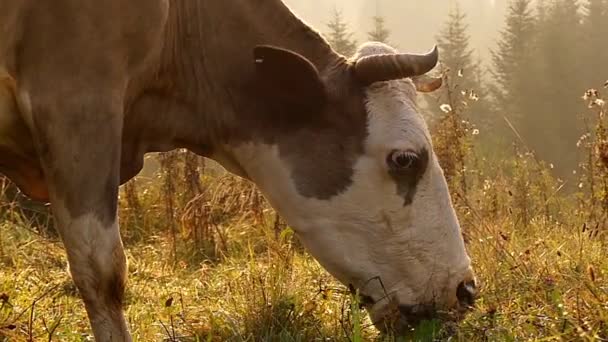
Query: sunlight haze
{"x": 414, "y": 24}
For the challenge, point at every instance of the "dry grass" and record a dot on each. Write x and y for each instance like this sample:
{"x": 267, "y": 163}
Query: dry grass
{"x": 542, "y": 280}
{"x": 261, "y": 288}
{"x": 220, "y": 265}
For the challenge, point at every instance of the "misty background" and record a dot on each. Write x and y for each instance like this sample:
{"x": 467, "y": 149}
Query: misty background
{"x": 415, "y": 23}
{"x": 516, "y": 70}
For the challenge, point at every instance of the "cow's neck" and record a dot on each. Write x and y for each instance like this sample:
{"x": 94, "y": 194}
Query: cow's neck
{"x": 209, "y": 56}
{"x": 199, "y": 95}
{"x": 220, "y": 31}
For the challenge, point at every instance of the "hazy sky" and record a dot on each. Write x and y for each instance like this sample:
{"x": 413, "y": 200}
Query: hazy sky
{"x": 414, "y": 23}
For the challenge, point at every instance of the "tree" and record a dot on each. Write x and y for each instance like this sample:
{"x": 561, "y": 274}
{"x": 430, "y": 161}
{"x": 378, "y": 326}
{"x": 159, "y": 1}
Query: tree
{"x": 552, "y": 128}
{"x": 339, "y": 35}
{"x": 453, "y": 41}
{"x": 595, "y": 33}
{"x": 461, "y": 98}
{"x": 379, "y": 33}
{"x": 513, "y": 63}
{"x": 464, "y": 75}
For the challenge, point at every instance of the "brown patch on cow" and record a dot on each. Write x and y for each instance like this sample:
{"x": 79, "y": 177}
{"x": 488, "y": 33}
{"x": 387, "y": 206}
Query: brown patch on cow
{"x": 321, "y": 156}
{"x": 319, "y": 141}
{"x": 289, "y": 78}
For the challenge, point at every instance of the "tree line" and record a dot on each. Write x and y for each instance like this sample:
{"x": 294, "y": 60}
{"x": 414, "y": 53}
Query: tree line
{"x": 548, "y": 53}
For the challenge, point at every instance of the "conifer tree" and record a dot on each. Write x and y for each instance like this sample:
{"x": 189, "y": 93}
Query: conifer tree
{"x": 462, "y": 72}
{"x": 339, "y": 35}
{"x": 379, "y": 33}
{"x": 553, "y": 128}
{"x": 512, "y": 63}
{"x": 595, "y": 39}
{"x": 453, "y": 41}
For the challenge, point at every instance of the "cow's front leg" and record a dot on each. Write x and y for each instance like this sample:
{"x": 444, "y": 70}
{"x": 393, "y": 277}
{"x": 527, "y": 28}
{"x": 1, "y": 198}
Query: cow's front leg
{"x": 78, "y": 140}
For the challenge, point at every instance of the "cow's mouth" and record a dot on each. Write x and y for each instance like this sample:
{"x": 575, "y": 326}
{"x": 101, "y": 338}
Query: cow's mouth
{"x": 402, "y": 319}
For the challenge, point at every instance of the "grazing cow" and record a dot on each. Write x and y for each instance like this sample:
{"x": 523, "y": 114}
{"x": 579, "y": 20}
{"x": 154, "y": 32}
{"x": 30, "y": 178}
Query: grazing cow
{"x": 336, "y": 145}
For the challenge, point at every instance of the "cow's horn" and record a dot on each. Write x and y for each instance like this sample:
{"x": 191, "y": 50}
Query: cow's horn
{"x": 386, "y": 67}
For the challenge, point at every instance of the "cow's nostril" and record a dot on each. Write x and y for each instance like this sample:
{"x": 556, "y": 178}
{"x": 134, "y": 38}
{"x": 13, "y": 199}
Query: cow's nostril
{"x": 466, "y": 293}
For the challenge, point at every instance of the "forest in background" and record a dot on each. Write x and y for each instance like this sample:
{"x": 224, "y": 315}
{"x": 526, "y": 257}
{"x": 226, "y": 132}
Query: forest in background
{"x": 544, "y": 58}
{"x": 414, "y": 24}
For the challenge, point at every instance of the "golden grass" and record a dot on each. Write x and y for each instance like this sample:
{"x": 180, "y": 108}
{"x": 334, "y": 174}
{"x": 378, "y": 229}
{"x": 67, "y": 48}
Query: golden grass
{"x": 541, "y": 280}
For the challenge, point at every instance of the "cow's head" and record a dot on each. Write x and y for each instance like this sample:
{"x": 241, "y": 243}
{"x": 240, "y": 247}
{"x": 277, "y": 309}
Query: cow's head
{"x": 347, "y": 159}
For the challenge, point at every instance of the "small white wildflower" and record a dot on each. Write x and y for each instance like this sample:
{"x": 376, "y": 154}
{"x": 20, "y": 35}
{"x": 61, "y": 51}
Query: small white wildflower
{"x": 487, "y": 185}
{"x": 475, "y": 131}
{"x": 600, "y": 102}
{"x": 590, "y": 93}
{"x": 473, "y": 96}
{"x": 581, "y": 185}
{"x": 446, "y": 108}
{"x": 551, "y": 166}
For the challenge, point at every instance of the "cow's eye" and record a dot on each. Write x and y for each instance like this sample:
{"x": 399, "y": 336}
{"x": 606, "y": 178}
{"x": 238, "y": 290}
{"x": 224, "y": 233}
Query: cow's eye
{"x": 402, "y": 160}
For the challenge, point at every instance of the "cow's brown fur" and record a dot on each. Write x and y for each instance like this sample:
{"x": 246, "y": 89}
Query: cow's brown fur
{"x": 201, "y": 114}
{"x": 91, "y": 86}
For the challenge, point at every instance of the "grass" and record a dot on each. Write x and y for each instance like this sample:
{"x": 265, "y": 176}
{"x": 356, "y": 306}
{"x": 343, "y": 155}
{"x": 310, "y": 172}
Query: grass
{"x": 542, "y": 280}
{"x": 210, "y": 261}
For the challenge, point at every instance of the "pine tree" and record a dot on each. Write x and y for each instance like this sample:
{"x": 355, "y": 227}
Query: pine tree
{"x": 512, "y": 62}
{"x": 553, "y": 128}
{"x": 595, "y": 32}
{"x": 379, "y": 33}
{"x": 453, "y": 41}
{"x": 464, "y": 75}
{"x": 462, "y": 98}
{"x": 339, "y": 35}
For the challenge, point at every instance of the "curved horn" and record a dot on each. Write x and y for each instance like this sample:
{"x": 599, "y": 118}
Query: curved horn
{"x": 386, "y": 67}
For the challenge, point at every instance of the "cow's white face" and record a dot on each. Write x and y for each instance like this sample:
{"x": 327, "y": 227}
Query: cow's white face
{"x": 390, "y": 231}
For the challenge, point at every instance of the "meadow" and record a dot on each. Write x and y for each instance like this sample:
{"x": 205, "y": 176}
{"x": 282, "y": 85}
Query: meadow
{"x": 209, "y": 260}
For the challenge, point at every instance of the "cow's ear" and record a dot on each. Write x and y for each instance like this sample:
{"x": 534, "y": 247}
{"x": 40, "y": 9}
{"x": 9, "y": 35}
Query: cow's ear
{"x": 426, "y": 84}
{"x": 288, "y": 77}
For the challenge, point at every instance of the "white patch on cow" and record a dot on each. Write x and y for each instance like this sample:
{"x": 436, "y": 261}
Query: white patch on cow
{"x": 94, "y": 254}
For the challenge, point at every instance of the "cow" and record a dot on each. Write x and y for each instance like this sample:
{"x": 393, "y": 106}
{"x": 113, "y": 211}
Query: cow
{"x": 337, "y": 145}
